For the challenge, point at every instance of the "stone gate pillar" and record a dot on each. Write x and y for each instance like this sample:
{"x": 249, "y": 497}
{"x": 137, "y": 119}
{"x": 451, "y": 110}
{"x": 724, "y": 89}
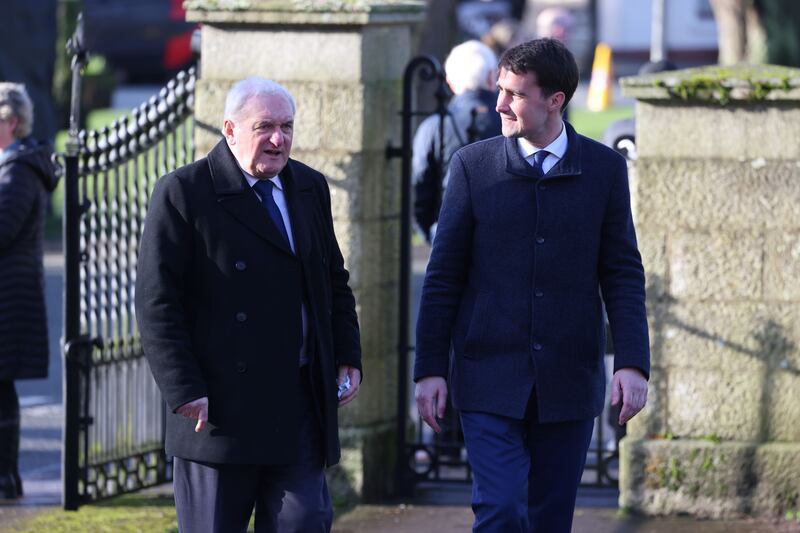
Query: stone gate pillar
{"x": 343, "y": 62}
{"x": 717, "y": 190}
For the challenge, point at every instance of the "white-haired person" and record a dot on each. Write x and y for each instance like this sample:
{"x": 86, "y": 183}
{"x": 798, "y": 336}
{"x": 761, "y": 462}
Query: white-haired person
{"x": 471, "y": 70}
{"x": 26, "y": 179}
{"x": 249, "y": 324}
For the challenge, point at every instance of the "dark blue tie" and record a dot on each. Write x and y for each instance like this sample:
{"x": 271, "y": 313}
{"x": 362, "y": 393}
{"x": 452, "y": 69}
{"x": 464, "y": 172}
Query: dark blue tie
{"x": 264, "y": 189}
{"x": 538, "y": 159}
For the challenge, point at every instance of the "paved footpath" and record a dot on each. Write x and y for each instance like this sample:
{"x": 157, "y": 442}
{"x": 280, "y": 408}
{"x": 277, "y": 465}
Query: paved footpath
{"x": 445, "y": 509}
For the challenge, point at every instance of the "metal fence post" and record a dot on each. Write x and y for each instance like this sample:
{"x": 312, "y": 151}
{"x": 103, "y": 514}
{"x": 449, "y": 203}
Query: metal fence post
{"x": 72, "y": 349}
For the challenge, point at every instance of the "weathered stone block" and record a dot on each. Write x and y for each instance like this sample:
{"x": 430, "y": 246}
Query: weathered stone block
{"x": 722, "y": 403}
{"x": 364, "y": 186}
{"x": 378, "y": 320}
{"x": 375, "y": 403}
{"x": 782, "y": 404}
{"x": 708, "y": 479}
{"x": 782, "y": 263}
{"x": 209, "y": 106}
{"x": 716, "y": 194}
{"x": 777, "y": 467}
{"x": 716, "y": 266}
{"x": 678, "y": 131}
{"x": 689, "y": 334}
{"x": 231, "y": 52}
{"x": 653, "y": 247}
{"x": 686, "y": 476}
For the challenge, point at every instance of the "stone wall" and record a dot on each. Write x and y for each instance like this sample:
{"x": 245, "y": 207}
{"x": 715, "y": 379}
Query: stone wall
{"x": 717, "y": 195}
{"x": 343, "y": 63}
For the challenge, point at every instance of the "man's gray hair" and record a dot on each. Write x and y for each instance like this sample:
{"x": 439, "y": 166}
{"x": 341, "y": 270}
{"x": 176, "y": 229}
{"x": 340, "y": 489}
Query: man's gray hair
{"x": 15, "y": 103}
{"x": 468, "y": 66}
{"x": 251, "y": 87}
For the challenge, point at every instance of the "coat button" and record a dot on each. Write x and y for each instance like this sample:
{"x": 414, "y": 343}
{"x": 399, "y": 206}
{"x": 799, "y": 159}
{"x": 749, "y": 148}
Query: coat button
{"x": 240, "y": 266}
{"x": 540, "y": 240}
{"x": 537, "y": 346}
{"x": 542, "y": 187}
{"x": 241, "y": 367}
{"x": 538, "y": 293}
{"x": 241, "y": 316}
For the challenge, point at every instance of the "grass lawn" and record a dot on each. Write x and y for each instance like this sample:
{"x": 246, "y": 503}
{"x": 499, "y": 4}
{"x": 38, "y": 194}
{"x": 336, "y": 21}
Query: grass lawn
{"x": 593, "y": 124}
{"x": 151, "y": 513}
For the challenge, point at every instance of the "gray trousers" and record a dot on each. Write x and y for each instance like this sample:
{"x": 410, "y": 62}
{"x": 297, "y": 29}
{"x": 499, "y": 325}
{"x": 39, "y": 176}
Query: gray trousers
{"x": 219, "y": 498}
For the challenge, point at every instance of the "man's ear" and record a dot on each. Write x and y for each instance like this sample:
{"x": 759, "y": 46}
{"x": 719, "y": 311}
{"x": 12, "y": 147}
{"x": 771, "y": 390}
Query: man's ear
{"x": 227, "y": 131}
{"x": 557, "y": 100}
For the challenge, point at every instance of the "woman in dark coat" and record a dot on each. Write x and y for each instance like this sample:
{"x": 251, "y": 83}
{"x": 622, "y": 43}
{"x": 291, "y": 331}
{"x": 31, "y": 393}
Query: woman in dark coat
{"x": 26, "y": 178}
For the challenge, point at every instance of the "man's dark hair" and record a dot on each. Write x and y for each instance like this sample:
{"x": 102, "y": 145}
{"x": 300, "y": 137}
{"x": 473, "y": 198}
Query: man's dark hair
{"x": 551, "y": 62}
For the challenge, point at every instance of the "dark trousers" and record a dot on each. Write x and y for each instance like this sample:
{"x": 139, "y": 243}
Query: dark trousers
{"x": 219, "y": 498}
{"x": 525, "y": 473}
{"x": 10, "y": 481}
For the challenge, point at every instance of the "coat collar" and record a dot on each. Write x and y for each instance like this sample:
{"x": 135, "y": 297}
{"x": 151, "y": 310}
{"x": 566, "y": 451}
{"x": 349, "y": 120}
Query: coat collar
{"x": 235, "y": 195}
{"x": 569, "y": 165}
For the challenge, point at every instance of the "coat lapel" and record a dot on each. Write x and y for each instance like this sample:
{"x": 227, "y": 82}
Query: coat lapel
{"x": 237, "y": 198}
{"x": 299, "y": 196}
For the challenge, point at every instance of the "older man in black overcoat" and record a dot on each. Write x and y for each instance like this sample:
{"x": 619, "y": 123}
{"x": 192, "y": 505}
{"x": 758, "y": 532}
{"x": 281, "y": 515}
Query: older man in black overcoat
{"x": 248, "y": 324}
{"x": 535, "y": 228}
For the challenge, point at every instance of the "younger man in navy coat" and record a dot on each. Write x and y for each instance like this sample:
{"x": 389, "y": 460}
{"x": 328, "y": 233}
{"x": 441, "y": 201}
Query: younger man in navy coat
{"x": 535, "y": 227}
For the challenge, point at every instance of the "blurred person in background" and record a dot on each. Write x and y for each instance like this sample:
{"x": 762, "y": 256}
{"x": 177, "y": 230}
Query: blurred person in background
{"x": 27, "y": 177}
{"x": 471, "y": 70}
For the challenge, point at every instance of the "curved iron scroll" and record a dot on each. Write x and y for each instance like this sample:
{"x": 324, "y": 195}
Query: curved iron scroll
{"x": 114, "y": 434}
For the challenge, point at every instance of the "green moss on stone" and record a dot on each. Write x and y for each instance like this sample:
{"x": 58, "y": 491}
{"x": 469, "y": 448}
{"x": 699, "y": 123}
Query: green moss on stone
{"x": 720, "y": 84}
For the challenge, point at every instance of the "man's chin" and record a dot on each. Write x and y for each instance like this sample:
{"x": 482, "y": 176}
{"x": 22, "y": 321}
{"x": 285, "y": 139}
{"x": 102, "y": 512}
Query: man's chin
{"x": 271, "y": 170}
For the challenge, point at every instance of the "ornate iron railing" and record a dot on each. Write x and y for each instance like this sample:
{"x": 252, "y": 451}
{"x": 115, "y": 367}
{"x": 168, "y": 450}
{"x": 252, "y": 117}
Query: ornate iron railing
{"x": 114, "y": 429}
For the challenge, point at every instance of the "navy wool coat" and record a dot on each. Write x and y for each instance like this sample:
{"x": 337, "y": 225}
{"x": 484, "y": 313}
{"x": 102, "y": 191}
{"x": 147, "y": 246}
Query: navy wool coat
{"x": 512, "y": 294}
{"x": 218, "y": 295}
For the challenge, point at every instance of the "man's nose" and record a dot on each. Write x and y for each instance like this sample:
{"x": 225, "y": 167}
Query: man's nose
{"x": 502, "y": 103}
{"x": 276, "y": 138}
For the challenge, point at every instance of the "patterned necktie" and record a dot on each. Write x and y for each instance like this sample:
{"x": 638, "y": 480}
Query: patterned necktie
{"x": 264, "y": 189}
{"x": 538, "y": 159}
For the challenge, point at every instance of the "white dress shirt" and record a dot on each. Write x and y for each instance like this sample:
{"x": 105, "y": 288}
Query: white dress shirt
{"x": 557, "y": 149}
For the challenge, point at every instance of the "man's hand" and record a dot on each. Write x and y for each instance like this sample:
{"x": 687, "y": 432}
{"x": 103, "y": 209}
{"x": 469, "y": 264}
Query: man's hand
{"x": 431, "y": 396}
{"x": 355, "y": 381}
{"x": 197, "y": 409}
{"x": 629, "y": 386}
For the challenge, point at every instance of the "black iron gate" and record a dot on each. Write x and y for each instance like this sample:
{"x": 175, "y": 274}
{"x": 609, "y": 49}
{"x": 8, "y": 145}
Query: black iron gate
{"x": 422, "y": 454}
{"x": 114, "y": 427}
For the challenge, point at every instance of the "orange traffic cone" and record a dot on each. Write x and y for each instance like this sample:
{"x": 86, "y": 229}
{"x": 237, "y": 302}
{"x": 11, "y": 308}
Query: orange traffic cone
{"x": 599, "y": 97}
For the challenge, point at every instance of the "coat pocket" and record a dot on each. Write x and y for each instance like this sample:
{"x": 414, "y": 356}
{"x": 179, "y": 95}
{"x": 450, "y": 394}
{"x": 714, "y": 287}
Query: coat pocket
{"x": 473, "y": 340}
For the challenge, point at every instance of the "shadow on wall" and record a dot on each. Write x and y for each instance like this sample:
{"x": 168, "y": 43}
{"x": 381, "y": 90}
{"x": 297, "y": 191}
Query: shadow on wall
{"x": 772, "y": 347}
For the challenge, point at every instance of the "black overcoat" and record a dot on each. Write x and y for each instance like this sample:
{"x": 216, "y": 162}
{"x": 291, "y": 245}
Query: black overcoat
{"x": 514, "y": 282}
{"x": 27, "y": 177}
{"x": 218, "y": 295}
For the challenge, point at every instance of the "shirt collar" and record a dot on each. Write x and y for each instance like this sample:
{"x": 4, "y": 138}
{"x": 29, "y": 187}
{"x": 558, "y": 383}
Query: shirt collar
{"x": 276, "y": 180}
{"x": 557, "y": 148}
